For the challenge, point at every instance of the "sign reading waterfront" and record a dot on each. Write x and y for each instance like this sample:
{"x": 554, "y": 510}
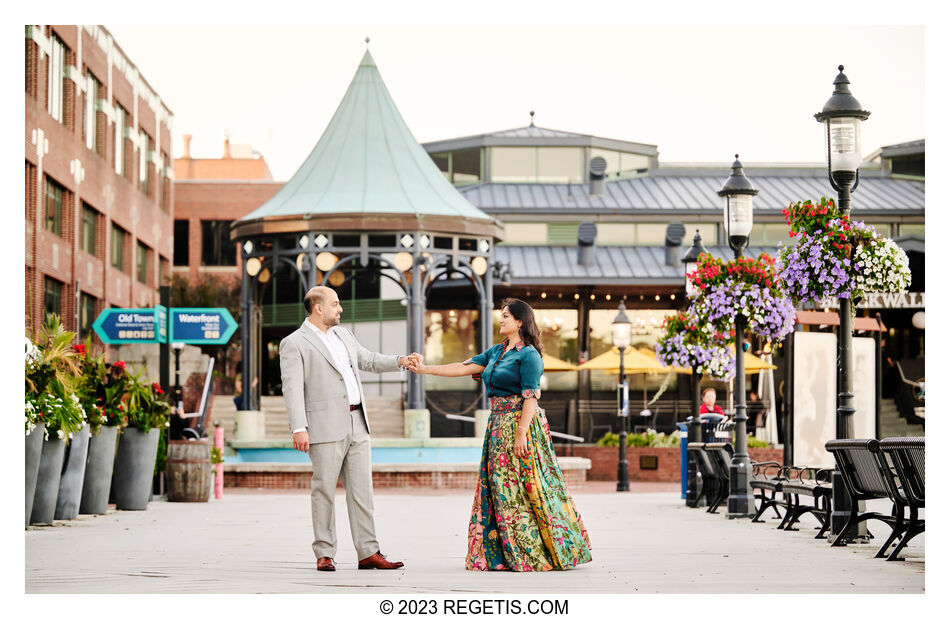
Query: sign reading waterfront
{"x": 202, "y": 325}
{"x": 132, "y": 325}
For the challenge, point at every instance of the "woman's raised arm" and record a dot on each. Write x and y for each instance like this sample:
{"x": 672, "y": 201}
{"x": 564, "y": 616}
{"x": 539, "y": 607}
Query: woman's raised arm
{"x": 452, "y": 369}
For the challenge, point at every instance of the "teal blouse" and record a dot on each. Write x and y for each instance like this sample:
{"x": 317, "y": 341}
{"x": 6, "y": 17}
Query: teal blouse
{"x": 518, "y": 372}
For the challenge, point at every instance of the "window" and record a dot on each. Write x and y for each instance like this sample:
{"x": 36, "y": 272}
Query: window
{"x": 119, "y": 140}
{"x": 162, "y": 271}
{"x": 562, "y": 234}
{"x": 709, "y": 232}
{"x": 162, "y": 180}
{"x": 616, "y": 234}
{"x": 87, "y": 314}
{"x": 216, "y": 246}
{"x": 528, "y": 164}
{"x": 145, "y": 146}
{"x": 87, "y": 235}
{"x": 622, "y": 164}
{"x": 54, "y": 207}
{"x": 768, "y": 235}
{"x": 32, "y": 65}
{"x": 57, "y": 58}
{"x": 141, "y": 263}
{"x": 118, "y": 247}
{"x": 906, "y": 229}
{"x": 91, "y": 124}
{"x": 180, "y": 255}
{"x": 53, "y": 296}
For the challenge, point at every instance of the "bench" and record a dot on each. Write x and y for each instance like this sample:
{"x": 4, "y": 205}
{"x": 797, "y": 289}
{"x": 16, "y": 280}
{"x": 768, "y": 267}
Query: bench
{"x": 721, "y": 456}
{"x": 907, "y": 457}
{"x": 709, "y": 482}
{"x": 763, "y": 482}
{"x": 812, "y": 482}
{"x": 866, "y": 476}
{"x": 591, "y": 410}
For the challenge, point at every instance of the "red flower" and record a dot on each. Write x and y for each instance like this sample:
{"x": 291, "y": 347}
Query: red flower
{"x": 80, "y": 348}
{"x": 119, "y": 364}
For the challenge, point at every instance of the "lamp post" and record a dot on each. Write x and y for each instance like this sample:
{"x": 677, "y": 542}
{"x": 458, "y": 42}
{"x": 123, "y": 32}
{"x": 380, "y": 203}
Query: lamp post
{"x": 737, "y": 195}
{"x": 690, "y": 260}
{"x": 621, "y": 330}
{"x": 842, "y": 116}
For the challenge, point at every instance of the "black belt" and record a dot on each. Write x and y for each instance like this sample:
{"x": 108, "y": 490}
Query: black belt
{"x": 354, "y": 407}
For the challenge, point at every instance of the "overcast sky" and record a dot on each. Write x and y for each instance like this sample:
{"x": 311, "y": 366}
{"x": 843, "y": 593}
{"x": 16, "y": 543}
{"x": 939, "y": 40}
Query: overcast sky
{"x": 700, "y": 93}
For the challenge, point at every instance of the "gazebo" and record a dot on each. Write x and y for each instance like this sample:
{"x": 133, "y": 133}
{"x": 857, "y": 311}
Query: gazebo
{"x": 367, "y": 197}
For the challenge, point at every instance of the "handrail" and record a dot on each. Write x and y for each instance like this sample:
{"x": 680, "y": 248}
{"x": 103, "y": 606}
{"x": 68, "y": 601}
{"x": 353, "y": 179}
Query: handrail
{"x": 570, "y": 437}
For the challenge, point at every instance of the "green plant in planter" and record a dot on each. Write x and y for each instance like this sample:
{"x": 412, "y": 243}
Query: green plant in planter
{"x": 146, "y": 404}
{"x": 51, "y": 372}
{"x": 649, "y": 438}
{"x": 757, "y": 443}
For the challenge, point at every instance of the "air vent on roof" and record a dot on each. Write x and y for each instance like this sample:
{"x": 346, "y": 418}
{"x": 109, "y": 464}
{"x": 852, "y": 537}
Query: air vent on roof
{"x": 598, "y": 170}
{"x": 674, "y": 241}
{"x": 586, "y": 236}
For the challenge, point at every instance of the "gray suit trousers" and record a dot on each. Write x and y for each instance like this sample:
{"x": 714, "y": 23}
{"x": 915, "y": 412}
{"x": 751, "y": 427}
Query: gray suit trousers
{"x": 349, "y": 461}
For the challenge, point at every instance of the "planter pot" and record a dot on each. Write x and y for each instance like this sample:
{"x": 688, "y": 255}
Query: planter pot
{"x": 134, "y": 466}
{"x": 74, "y": 471}
{"x": 188, "y": 471}
{"x": 47, "y": 481}
{"x": 34, "y": 447}
{"x": 99, "y": 462}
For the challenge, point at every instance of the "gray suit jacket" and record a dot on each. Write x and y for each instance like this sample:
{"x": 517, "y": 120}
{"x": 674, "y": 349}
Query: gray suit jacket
{"x": 313, "y": 387}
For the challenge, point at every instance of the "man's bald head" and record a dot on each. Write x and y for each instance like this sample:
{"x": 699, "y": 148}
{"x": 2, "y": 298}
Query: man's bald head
{"x": 315, "y": 296}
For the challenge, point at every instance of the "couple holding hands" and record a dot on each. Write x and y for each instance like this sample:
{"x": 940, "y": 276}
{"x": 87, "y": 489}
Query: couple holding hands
{"x": 523, "y": 518}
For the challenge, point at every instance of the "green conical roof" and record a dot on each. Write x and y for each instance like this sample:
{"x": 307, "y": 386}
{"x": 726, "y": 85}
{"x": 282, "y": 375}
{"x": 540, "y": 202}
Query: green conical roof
{"x": 367, "y": 163}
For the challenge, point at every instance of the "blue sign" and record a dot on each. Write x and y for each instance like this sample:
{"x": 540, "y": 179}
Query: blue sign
{"x": 146, "y": 325}
{"x": 202, "y": 325}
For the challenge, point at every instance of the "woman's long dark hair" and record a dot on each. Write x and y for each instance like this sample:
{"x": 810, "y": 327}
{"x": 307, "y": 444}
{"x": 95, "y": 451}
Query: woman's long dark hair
{"x": 519, "y": 310}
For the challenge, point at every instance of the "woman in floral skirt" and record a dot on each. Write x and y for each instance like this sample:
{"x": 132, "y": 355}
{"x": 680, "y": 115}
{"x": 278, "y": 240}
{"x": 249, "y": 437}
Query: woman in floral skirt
{"x": 523, "y": 518}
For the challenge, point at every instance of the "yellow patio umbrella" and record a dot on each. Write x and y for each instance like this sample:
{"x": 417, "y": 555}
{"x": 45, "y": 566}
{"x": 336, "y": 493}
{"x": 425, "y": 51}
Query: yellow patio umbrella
{"x": 652, "y": 354}
{"x": 553, "y": 364}
{"x": 754, "y": 364}
{"x": 634, "y": 362}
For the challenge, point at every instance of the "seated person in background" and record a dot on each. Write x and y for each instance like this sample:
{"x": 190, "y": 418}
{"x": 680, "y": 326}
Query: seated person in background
{"x": 755, "y": 410}
{"x": 709, "y": 403}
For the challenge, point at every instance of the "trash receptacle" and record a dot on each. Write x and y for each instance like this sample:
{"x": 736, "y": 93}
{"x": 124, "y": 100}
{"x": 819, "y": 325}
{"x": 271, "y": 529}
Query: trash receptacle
{"x": 681, "y": 427}
{"x": 710, "y": 421}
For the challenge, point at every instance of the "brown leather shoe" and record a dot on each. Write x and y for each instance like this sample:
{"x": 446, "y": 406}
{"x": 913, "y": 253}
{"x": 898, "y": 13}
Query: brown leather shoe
{"x": 378, "y": 562}
{"x": 326, "y": 564}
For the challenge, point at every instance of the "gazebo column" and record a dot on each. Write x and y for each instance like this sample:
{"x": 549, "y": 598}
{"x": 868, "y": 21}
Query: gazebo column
{"x": 245, "y": 334}
{"x": 486, "y": 305}
{"x": 416, "y": 420}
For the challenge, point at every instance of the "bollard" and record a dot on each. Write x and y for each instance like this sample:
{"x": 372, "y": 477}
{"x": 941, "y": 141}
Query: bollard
{"x": 219, "y": 467}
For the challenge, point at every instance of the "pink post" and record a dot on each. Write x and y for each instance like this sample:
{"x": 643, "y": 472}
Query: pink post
{"x": 219, "y": 467}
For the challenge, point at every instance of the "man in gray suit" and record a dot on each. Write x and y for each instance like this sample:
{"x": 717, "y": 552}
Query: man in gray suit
{"x": 324, "y": 399}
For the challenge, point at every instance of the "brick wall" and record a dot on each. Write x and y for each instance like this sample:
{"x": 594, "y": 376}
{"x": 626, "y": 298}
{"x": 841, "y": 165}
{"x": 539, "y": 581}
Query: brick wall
{"x": 437, "y": 480}
{"x": 116, "y": 198}
{"x": 603, "y": 461}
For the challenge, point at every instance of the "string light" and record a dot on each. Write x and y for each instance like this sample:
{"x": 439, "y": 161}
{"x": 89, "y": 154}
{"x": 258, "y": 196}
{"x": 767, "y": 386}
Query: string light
{"x": 607, "y": 297}
{"x": 576, "y": 296}
{"x": 657, "y": 297}
{"x": 544, "y": 295}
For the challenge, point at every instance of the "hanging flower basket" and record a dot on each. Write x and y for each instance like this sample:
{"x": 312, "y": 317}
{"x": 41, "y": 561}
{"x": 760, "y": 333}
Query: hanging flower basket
{"x": 746, "y": 285}
{"x": 688, "y": 343}
{"x": 835, "y": 257}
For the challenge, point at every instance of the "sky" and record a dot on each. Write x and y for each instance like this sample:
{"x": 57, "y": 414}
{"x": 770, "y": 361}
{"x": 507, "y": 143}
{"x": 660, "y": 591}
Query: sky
{"x": 700, "y": 93}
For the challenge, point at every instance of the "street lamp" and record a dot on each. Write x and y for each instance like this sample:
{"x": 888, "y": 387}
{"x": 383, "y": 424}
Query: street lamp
{"x": 621, "y": 330}
{"x": 690, "y": 260}
{"x": 842, "y": 116}
{"x": 737, "y": 195}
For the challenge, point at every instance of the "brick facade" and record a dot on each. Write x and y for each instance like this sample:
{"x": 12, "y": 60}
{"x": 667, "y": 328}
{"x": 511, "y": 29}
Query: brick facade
{"x": 57, "y": 151}
{"x": 603, "y": 461}
{"x": 381, "y": 479}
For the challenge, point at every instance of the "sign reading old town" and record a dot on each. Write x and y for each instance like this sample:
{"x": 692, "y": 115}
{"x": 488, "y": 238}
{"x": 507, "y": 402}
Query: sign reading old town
{"x": 145, "y": 325}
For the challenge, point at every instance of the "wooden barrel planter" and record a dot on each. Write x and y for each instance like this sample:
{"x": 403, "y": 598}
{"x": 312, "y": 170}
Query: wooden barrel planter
{"x": 188, "y": 471}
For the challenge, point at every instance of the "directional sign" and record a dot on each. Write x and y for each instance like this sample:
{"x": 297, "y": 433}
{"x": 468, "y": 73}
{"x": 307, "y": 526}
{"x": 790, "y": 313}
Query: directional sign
{"x": 202, "y": 325}
{"x": 140, "y": 325}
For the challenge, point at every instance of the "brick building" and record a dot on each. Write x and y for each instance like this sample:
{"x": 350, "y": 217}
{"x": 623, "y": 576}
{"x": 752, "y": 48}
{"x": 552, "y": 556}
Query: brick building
{"x": 99, "y": 197}
{"x": 209, "y": 195}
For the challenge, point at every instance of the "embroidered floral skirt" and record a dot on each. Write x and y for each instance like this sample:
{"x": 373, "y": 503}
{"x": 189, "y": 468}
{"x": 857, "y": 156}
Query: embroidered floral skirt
{"x": 523, "y": 518}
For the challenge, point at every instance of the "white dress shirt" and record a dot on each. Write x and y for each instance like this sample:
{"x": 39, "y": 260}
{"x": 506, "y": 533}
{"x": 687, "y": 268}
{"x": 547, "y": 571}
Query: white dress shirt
{"x": 341, "y": 359}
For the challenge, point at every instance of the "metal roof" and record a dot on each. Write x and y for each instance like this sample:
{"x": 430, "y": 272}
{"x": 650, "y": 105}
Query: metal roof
{"x": 533, "y": 135}
{"x": 367, "y": 163}
{"x": 683, "y": 194}
{"x": 630, "y": 265}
